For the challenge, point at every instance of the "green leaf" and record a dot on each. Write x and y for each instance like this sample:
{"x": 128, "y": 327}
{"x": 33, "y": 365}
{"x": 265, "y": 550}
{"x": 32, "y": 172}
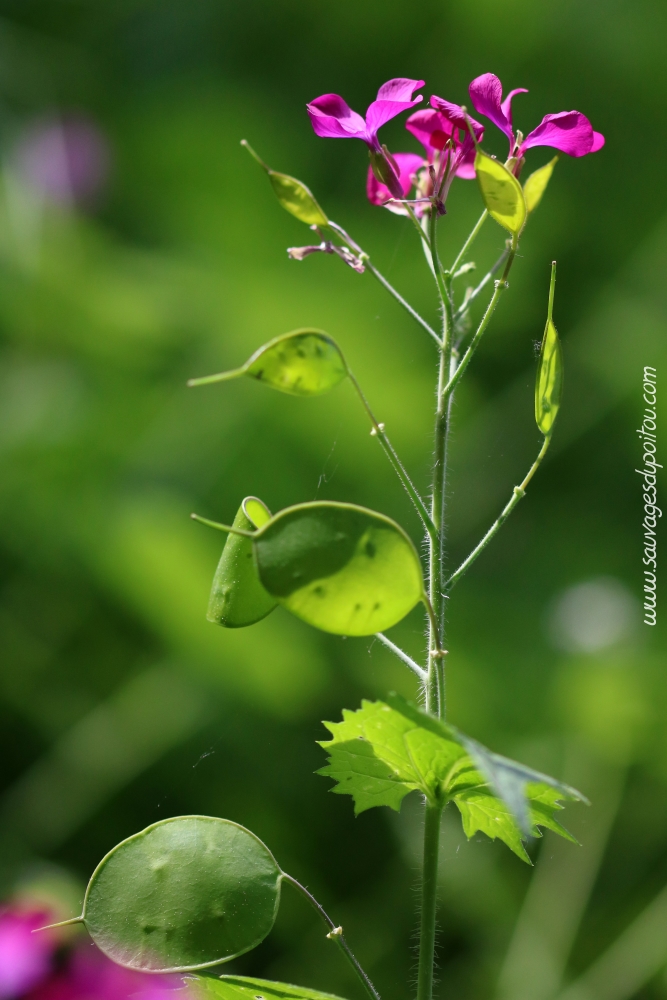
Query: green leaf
{"x": 237, "y": 596}
{"x": 549, "y": 382}
{"x": 183, "y": 894}
{"x": 304, "y": 362}
{"x": 339, "y": 567}
{"x": 242, "y": 988}
{"x": 292, "y": 194}
{"x": 536, "y": 184}
{"x": 385, "y": 750}
{"x": 501, "y": 192}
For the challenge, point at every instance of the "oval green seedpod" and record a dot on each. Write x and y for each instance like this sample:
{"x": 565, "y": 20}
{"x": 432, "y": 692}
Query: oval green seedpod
{"x": 237, "y": 596}
{"x": 185, "y": 893}
{"x": 536, "y": 184}
{"x": 305, "y": 362}
{"x": 292, "y": 194}
{"x": 242, "y": 988}
{"x": 502, "y": 193}
{"x": 549, "y": 382}
{"x": 339, "y": 567}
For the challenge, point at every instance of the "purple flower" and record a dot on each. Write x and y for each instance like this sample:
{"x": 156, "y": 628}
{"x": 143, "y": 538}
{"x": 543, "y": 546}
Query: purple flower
{"x": 331, "y": 117}
{"x": 408, "y": 165}
{"x": 445, "y": 128}
{"x": 90, "y": 974}
{"x": 25, "y": 958}
{"x": 568, "y": 131}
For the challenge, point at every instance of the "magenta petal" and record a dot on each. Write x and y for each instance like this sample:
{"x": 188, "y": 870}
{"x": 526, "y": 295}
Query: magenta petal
{"x": 486, "y": 94}
{"x": 506, "y": 106}
{"x": 381, "y": 112}
{"x": 399, "y": 89}
{"x": 454, "y": 114}
{"x": 331, "y": 118}
{"x": 569, "y": 131}
{"x": 25, "y": 958}
{"x": 431, "y": 128}
{"x": 598, "y": 142}
{"x": 466, "y": 171}
{"x": 408, "y": 164}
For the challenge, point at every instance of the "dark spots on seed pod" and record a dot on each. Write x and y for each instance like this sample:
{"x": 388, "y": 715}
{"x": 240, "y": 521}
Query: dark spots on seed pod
{"x": 371, "y": 550}
{"x": 319, "y": 591}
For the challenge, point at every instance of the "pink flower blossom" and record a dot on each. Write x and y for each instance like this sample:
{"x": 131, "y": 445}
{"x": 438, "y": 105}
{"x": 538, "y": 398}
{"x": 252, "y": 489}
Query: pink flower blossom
{"x": 408, "y": 164}
{"x": 25, "y": 958}
{"x": 331, "y": 117}
{"x": 90, "y": 974}
{"x": 568, "y": 131}
{"x": 444, "y": 128}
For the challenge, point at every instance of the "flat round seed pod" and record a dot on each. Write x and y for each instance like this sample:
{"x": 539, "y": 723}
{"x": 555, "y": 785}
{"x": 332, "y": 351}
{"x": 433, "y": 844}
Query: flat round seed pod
{"x": 183, "y": 894}
{"x": 301, "y": 363}
{"x": 237, "y": 596}
{"x": 502, "y": 193}
{"x": 339, "y": 567}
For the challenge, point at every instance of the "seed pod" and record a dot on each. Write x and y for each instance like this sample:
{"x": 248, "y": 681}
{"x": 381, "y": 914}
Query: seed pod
{"x": 237, "y": 596}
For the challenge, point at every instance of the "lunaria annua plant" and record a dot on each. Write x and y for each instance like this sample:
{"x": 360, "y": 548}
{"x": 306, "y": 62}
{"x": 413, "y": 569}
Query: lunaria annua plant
{"x": 194, "y": 891}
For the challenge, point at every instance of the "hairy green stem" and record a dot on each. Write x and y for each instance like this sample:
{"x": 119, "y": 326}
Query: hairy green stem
{"x": 389, "y": 450}
{"x": 501, "y": 285}
{"x": 335, "y": 934}
{"x": 517, "y": 494}
{"x": 469, "y": 242}
{"x": 435, "y": 605}
{"x": 432, "y": 814}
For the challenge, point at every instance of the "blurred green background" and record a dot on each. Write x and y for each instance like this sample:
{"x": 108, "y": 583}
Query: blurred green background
{"x": 119, "y": 703}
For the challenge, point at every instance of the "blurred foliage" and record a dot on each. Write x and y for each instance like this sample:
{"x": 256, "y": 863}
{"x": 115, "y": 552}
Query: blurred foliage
{"x": 120, "y": 703}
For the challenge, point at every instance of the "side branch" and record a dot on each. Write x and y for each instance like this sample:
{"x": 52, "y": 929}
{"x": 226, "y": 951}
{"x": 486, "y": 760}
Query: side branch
{"x": 469, "y": 242}
{"x": 335, "y": 934}
{"x": 517, "y": 494}
{"x": 501, "y": 285}
{"x": 407, "y": 660}
{"x": 353, "y": 245}
{"x": 379, "y": 432}
{"x": 399, "y": 298}
{"x": 463, "y": 308}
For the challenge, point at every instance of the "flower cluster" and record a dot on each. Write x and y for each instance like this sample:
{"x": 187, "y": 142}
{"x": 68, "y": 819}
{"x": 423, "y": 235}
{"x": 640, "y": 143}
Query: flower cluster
{"x": 449, "y": 137}
{"x": 44, "y": 965}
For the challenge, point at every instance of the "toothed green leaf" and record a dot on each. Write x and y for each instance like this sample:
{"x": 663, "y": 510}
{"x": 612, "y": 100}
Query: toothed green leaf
{"x": 242, "y": 988}
{"x": 383, "y": 751}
